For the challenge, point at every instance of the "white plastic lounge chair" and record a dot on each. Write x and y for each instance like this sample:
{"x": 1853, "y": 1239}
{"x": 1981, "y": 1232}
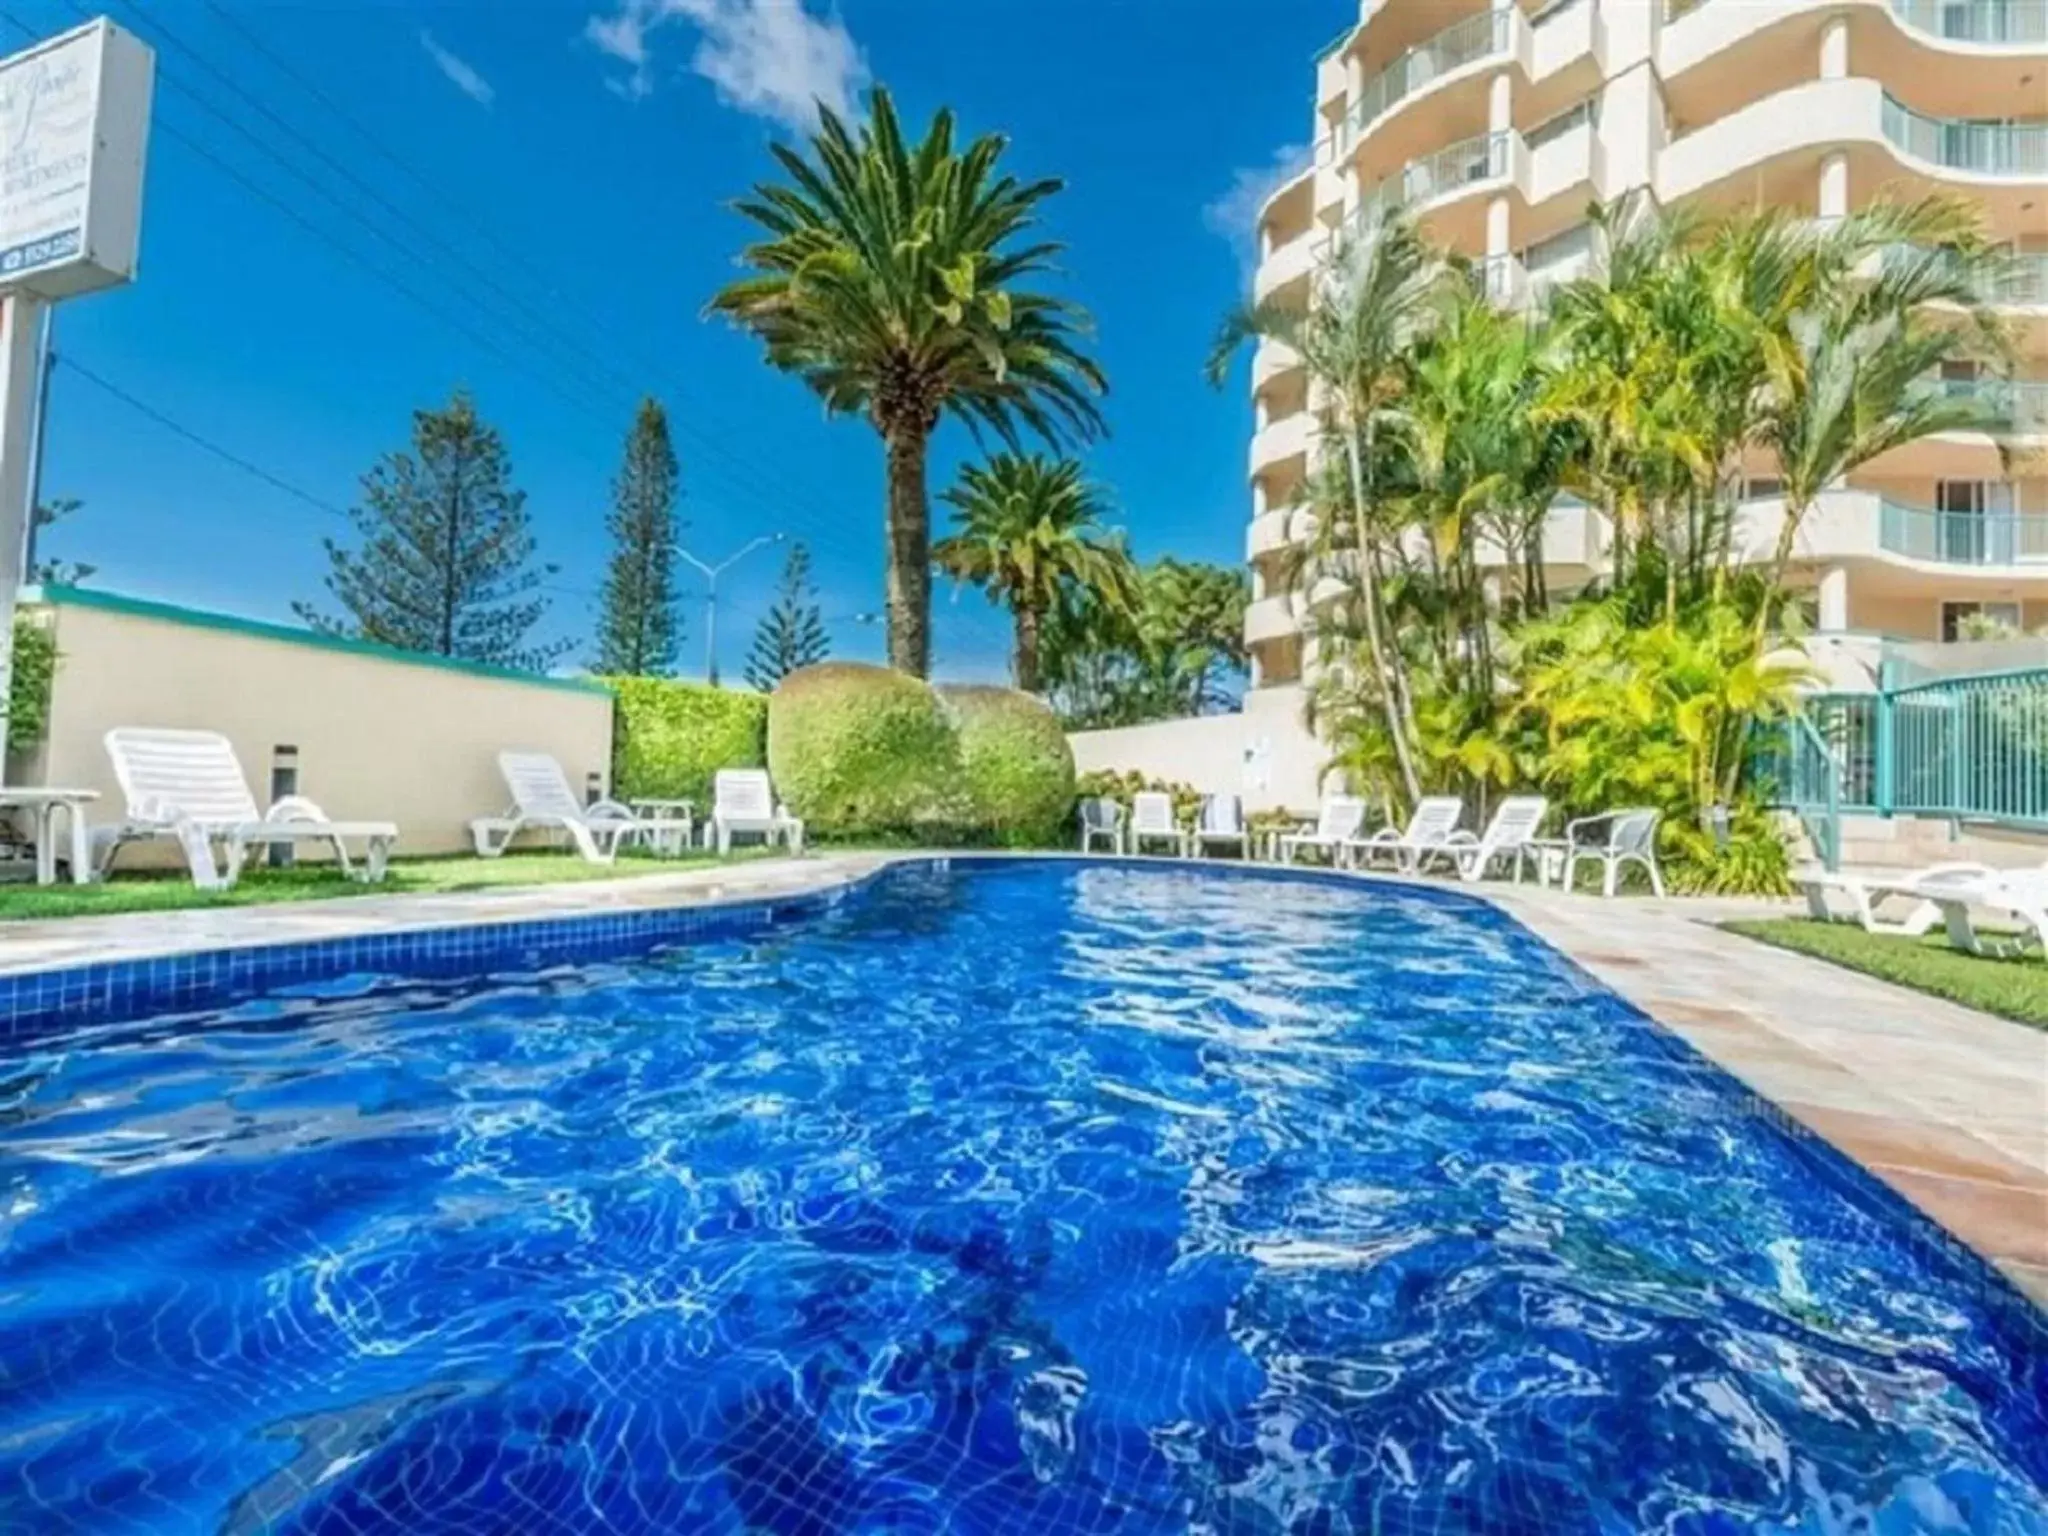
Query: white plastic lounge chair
{"x": 1507, "y": 836}
{"x": 189, "y": 786}
{"x": 2019, "y": 895}
{"x": 1337, "y": 826}
{"x": 1222, "y": 822}
{"x": 1612, "y": 841}
{"x": 1908, "y": 892}
{"x": 1153, "y": 821}
{"x": 1102, "y": 817}
{"x": 743, "y": 802}
{"x": 1436, "y": 818}
{"x": 543, "y": 800}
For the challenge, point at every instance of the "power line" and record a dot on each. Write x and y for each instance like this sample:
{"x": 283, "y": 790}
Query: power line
{"x": 248, "y": 467}
{"x": 754, "y": 479}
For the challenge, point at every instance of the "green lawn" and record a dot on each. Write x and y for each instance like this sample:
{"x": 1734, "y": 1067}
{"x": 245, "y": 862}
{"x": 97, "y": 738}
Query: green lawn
{"x": 2013, "y": 989}
{"x": 165, "y": 892}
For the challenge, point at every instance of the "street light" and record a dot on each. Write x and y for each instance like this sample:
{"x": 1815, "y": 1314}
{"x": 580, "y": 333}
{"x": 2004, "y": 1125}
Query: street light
{"x": 711, "y": 575}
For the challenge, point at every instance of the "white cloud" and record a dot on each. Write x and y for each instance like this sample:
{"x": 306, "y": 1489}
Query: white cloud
{"x": 1234, "y": 212}
{"x": 461, "y": 74}
{"x": 772, "y": 58}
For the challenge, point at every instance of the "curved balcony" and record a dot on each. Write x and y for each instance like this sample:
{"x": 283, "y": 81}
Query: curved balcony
{"x": 1695, "y": 30}
{"x": 1797, "y": 126}
{"x": 1289, "y": 437}
{"x": 1489, "y": 162}
{"x": 1480, "y": 39}
{"x": 1281, "y": 529}
{"x": 1853, "y": 524}
{"x": 1271, "y": 359}
{"x": 1289, "y": 263}
{"x": 2012, "y": 408}
{"x": 1271, "y": 618}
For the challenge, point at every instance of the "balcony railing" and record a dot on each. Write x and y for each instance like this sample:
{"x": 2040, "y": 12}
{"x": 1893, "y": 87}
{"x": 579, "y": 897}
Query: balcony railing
{"x": 1985, "y": 149}
{"x": 1463, "y": 42}
{"x": 2011, "y": 405}
{"x": 1959, "y": 21}
{"x": 1976, "y": 21}
{"x": 1488, "y": 157}
{"x": 1962, "y": 538}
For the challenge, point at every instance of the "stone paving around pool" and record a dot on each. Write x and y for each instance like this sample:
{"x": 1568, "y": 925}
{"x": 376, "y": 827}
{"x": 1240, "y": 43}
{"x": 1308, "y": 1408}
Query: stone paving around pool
{"x": 1948, "y": 1106}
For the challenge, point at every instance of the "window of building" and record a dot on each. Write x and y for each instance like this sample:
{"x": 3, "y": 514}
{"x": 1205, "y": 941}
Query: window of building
{"x": 1762, "y": 487}
{"x": 1954, "y": 617}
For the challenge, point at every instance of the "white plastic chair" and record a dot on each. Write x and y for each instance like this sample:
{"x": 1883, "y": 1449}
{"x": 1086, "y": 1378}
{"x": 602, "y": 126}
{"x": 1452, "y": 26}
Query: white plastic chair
{"x": 1509, "y": 835}
{"x": 1337, "y": 825}
{"x": 743, "y": 802}
{"x": 189, "y": 786}
{"x": 1436, "y": 818}
{"x": 543, "y": 800}
{"x": 1616, "y": 839}
{"x": 1102, "y": 817}
{"x": 1152, "y": 820}
{"x": 1222, "y": 821}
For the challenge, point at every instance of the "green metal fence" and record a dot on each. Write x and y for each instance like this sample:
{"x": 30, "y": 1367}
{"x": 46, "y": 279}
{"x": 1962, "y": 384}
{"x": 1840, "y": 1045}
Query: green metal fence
{"x": 1968, "y": 748}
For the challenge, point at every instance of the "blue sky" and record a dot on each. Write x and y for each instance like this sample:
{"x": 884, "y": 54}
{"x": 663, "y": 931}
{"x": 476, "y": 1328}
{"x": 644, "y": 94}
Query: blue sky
{"x": 557, "y": 208}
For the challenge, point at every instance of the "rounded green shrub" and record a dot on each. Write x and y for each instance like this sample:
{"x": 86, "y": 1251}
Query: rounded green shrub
{"x": 860, "y": 751}
{"x": 670, "y": 737}
{"x": 1019, "y": 770}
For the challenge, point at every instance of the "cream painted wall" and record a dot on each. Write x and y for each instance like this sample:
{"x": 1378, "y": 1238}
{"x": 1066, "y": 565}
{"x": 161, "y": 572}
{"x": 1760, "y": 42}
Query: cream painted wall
{"x": 1264, "y": 753}
{"x": 378, "y": 738}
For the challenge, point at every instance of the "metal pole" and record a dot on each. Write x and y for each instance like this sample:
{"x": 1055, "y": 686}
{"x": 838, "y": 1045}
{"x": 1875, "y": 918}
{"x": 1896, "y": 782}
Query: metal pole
{"x": 20, "y": 324}
{"x": 711, "y": 575}
{"x": 711, "y": 629}
{"x": 35, "y": 473}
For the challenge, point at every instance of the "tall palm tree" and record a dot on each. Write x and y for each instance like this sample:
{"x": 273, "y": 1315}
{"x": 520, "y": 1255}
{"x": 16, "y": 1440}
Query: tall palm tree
{"x": 893, "y": 280}
{"x": 1369, "y": 304}
{"x": 1030, "y": 532}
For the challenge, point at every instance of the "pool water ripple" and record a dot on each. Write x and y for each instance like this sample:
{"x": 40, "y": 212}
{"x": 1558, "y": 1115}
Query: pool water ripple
{"x": 1038, "y": 1199}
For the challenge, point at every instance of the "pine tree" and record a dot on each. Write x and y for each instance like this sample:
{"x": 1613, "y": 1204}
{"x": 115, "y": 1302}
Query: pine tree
{"x": 445, "y": 563}
{"x": 791, "y": 634}
{"x": 638, "y": 630}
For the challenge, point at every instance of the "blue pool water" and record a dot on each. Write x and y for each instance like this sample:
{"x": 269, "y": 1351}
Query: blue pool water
{"x": 1032, "y": 1199}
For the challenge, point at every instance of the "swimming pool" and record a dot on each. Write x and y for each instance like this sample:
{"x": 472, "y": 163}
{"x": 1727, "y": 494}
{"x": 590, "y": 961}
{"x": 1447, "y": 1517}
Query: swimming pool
{"x": 1032, "y": 1197}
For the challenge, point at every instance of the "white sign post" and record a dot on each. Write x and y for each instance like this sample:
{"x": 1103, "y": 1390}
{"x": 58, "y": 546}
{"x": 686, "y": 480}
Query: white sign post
{"x": 74, "y": 122}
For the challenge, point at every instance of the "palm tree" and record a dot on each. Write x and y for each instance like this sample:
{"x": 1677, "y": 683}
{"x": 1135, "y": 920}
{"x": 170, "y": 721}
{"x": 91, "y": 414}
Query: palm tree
{"x": 1031, "y": 532}
{"x": 1852, "y": 375}
{"x": 1370, "y": 303}
{"x": 892, "y": 279}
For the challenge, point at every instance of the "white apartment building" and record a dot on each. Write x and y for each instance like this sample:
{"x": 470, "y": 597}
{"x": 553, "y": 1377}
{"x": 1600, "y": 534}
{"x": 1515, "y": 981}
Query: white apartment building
{"x": 1496, "y": 123}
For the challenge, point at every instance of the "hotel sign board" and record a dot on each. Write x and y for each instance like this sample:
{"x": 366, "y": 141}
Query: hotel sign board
{"x": 74, "y": 122}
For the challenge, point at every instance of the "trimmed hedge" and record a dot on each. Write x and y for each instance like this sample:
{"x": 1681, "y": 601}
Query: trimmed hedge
{"x": 868, "y": 753}
{"x": 669, "y": 737}
{"x": 861, "y": 751}
{"x": 1019, "y": 770}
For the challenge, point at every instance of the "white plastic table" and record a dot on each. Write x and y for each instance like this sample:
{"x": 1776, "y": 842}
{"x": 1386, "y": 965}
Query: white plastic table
{"x": 42, "y": 805}
{"x": 671, "y": 842}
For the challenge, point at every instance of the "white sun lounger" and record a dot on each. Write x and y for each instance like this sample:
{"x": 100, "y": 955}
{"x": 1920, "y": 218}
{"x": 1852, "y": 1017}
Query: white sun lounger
{"x": 188, "y": 786}
{"x": 1508, "y": 836}
{"x": 1436, "y": 818}
{"x": 2018, "y": 894}
{"x": 1222, "y": 822}
{"x": 1868, "y": 896}
{"x": 1337, "y": 826}
{"x": 543, "y": 801}
{"x": 1153, "y": 821}
{"x": 743, "y": 803}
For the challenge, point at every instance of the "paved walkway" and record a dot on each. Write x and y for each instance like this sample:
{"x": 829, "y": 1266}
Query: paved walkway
{"x": 1948, "y": 1106}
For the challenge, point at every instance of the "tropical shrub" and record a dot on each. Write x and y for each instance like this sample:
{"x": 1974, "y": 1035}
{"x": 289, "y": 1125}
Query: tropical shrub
{"x": 866, "y": 752}
{"x": 1018, "y": 771}
{"x": 35, "y": 671}
{"x": 669, "y": 737}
